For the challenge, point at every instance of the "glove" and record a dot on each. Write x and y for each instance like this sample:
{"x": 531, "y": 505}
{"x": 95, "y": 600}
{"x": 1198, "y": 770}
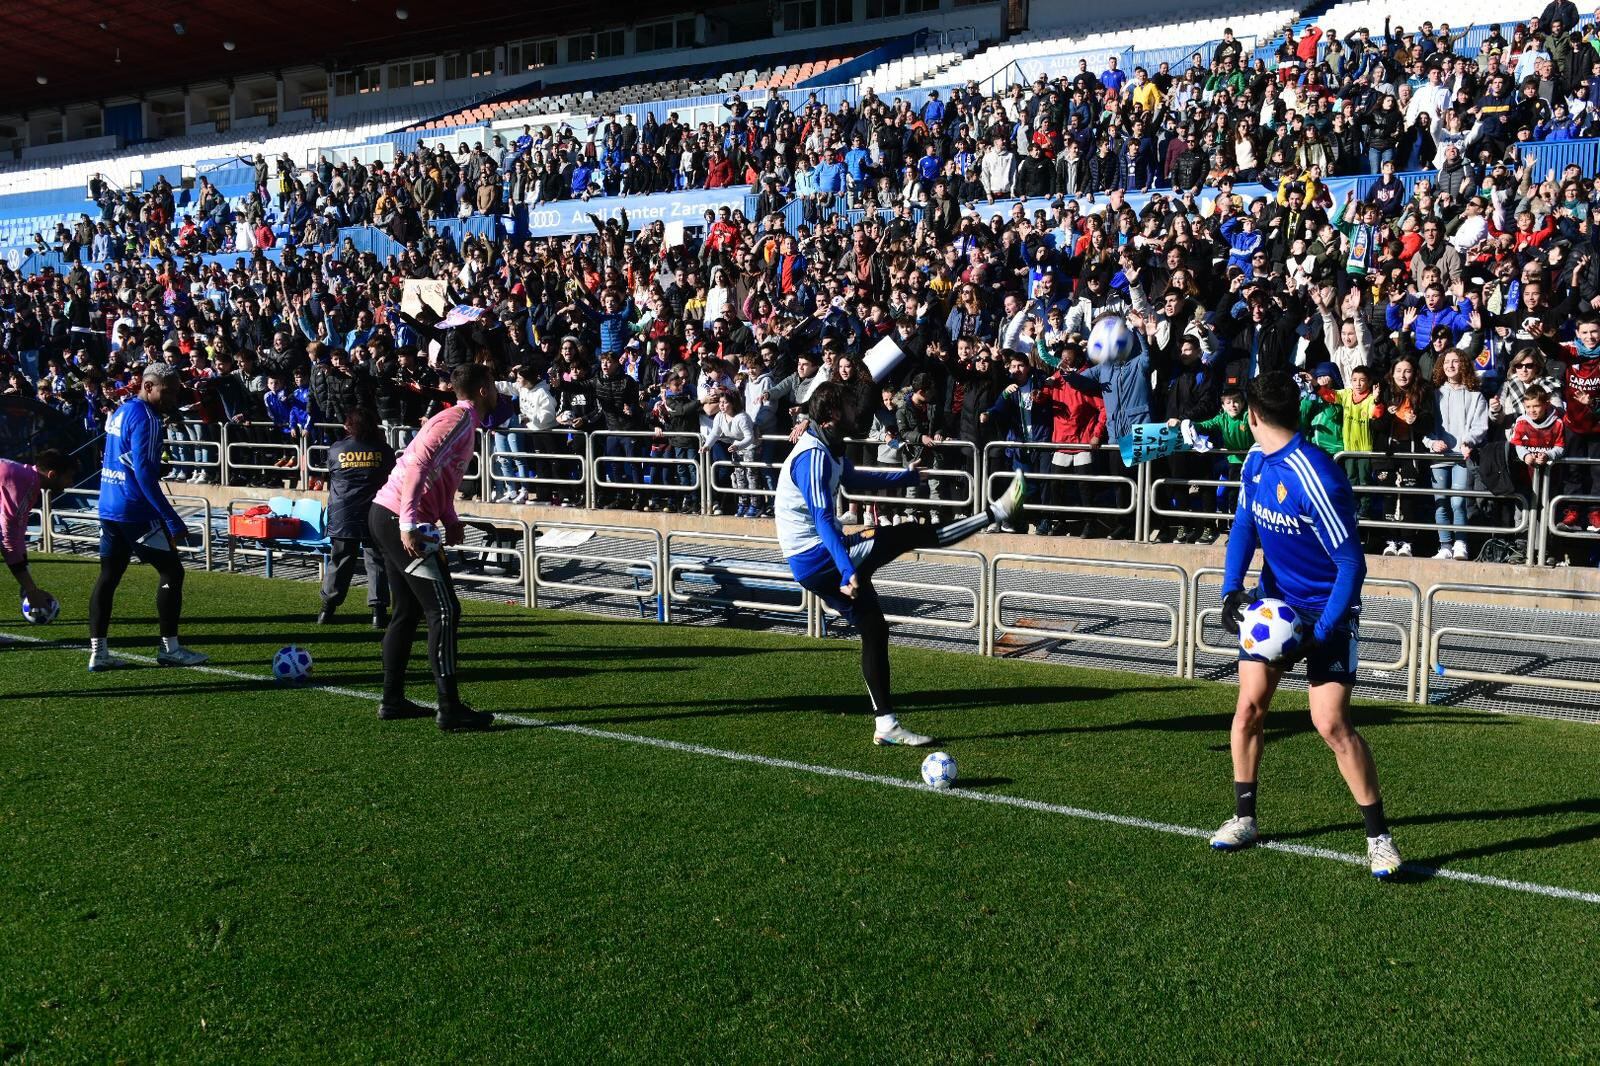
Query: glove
{"x": 1233, "y": 605}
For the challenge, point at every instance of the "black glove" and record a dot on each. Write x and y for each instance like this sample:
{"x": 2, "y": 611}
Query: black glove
{"x": 1233, "y": 605}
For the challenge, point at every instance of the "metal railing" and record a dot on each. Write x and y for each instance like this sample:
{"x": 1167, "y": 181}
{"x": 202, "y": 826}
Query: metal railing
{"x": 1176, "y": 614}
{"x": 56, "y": 530}
{"x": 1406, "y": 635}
{"x": 997, "y": 469}
{"x": 190, "y": 452}
{"x": 707, "y": 573}
{"x": 1526, "y": 515}
{"x": 1434, "y": 634}
{"x": 490, "y": 553}
{"x": 634, "y": 567}
{"x": 977, "y": 594}
{"x": 1158, "y": 488}
{"x": 927, "y": 496}
{"x": 603, "y": 469}
{"x": 1551, "y": 507}
{"x": 533, "y": 459}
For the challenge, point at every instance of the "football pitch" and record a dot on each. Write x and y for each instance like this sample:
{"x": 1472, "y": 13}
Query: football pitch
{"x": 683, "y": 847}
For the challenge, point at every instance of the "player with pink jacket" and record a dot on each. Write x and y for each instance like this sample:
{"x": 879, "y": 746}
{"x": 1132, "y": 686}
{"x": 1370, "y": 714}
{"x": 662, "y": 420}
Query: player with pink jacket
{"x": 20, "y": 486}
{"x": 408, "y": 515}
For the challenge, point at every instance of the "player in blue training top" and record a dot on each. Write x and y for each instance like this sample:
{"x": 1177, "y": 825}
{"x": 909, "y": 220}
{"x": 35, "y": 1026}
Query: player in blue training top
{"x": 136, "y": 518}
{"x": 1297, "y": 504}
{"x": 839, "y": 568}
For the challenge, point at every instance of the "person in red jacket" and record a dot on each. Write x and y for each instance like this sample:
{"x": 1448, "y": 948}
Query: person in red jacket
{"x": 1580, "y": 391}
{"x": 1538, "y": 434}
{"x": 1078, "y": 418}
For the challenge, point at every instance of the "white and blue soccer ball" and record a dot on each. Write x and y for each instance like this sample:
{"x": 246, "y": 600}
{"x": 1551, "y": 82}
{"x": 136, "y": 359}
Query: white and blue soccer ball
{"x": 939, "y": 770}
{"x": 1110, "y": 340}
{"x": 41, "y": 612}
{"x": 291, "y": 665}
{"x": 1270, "y": 630}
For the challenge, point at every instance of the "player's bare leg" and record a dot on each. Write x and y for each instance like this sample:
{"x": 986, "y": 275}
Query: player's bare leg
{"x": 1330, "y": 713}
{"x": 1258, "y": 683}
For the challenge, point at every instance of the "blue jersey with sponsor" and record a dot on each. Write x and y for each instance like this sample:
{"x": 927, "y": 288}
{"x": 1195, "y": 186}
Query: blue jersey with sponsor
{"x": 1297, "y": 504}
{"x": 130, "y": 474}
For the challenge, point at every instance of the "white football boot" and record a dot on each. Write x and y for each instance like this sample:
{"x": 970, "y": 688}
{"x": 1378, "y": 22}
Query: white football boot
{"x": 899, "y": 734}
{"x": 1383, "y": 856}
{"x": 101, "y": 660}
{"x": 1236, "y": 833}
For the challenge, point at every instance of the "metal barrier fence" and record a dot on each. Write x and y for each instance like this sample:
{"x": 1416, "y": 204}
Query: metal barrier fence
{"x": 695, "y": 573}
{"x": 1111, "y": 612}
{"x": 1134, "y": 499}
{"x": 1128, "y": 492}
{"x": 1494, "y": 641}
{"x": 527, "y": 455}
{"x": 192, "y": 455}
{"x": 1406, "y": 633}
{"x": 953, "y": 461}
{"x": 665, "y": 575}
{"x": 1552, "y": 507}
{"x": 1157, "y": 489}
{"x": 606, "y": 571}
{"x": 1526, "y": 515}
{"x": 81, "y": 524}
{"x": 977, "y": 594}
{"x": 628, "y": 470}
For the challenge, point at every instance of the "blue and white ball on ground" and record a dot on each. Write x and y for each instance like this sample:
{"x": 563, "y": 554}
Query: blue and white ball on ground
{"x": 1110, "y": 340}
{"x": 1271, "y": 630}
{"x": 939, "y": 770}
{"x": 291, "y": 665}
{"x": 41, "y": 612}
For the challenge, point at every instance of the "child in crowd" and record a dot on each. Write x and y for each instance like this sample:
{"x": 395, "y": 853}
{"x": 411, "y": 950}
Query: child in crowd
{"x": 1229, "y": 430}
{"x": 1320, "y": 420}
{"x": 1358, "y": 404}
{"x": 1538, "y": 435}
{"x": 734, "y": 435}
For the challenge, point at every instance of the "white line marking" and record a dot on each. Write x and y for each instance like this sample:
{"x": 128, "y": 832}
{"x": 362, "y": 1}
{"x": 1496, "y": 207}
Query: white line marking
{"x": 1039, "y": 806}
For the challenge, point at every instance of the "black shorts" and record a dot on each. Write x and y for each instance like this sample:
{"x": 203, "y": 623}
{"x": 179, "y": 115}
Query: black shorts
{"x": 1334, "y": 660}
{"x": 123, "y": 540}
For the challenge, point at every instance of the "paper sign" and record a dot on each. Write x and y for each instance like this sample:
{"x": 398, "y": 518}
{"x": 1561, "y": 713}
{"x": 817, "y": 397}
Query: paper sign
{"x": 672, "y": 236}
{"x": 415, "y": 295}
{"x": 883, "y": 358}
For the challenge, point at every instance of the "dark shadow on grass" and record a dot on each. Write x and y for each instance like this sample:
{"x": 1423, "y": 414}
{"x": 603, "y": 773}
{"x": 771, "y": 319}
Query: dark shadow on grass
{"x": 1589, "y": 805}
{"x": 974, "y": 783}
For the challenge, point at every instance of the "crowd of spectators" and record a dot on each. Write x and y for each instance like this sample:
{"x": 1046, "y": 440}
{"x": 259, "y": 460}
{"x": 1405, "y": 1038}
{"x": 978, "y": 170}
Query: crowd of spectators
{"x": 1445, "y": 331}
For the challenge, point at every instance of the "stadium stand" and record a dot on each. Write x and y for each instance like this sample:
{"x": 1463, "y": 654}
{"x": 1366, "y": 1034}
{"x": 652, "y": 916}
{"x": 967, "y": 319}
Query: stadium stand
{"x": 1243, "y": 217}
{"x": 784, "y": 70}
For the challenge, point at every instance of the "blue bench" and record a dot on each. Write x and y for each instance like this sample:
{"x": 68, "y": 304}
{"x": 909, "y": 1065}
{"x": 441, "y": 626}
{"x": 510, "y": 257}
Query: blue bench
{"x": 312, "y": 539}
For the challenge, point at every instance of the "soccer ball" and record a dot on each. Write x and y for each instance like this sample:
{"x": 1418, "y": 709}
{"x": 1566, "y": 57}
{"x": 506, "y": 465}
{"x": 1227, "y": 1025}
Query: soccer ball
{"x": 1110, "y": 340}
{"x": 1270, "y": 631}
{"x": 939, "y": 770}
{"x": 42, "y": 613}
{"x": 291, "y": 664}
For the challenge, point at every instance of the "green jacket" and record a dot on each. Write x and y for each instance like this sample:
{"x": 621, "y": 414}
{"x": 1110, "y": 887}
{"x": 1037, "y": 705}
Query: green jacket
{"x": 1322, "y": 423}
{"x": 1235, "y": 433}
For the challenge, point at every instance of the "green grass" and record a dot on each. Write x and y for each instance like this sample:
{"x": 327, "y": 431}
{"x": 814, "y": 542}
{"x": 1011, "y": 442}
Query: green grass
{"x": 195, "y": 868}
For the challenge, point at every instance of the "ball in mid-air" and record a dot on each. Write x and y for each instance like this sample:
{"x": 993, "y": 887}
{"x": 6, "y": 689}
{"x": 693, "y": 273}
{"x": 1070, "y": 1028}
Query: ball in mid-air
{"x": 291, "y": 664}
{"x": 1110, "y": 340}
{"x": 939, "y": 770}
{"x": 1271, "y": 630}
{"x": 41, "y": 612}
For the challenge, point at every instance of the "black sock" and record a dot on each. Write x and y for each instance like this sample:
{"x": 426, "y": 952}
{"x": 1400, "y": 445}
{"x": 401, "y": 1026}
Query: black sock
{"x": 1244, "y": 799}
{"x": 1372, "y": 814}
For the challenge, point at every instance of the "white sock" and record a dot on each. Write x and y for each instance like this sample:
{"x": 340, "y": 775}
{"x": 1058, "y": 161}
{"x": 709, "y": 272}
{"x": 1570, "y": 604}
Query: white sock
{"x": 885, "y": 722}
{"x": 170, "y": 644}
{"x": 97, "y": 645}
